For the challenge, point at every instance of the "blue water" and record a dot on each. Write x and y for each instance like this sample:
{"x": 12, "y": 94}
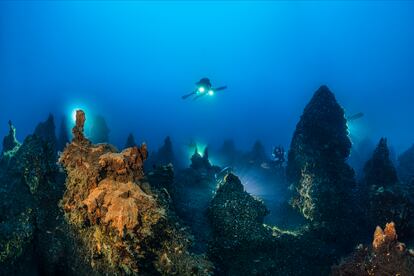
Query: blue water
{"x": 132, "y": 61}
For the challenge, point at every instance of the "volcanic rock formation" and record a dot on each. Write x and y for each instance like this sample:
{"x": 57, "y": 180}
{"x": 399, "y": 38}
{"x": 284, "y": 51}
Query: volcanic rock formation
{"x": 387, "y": 200}
{"x": 317, "y": 171}
{"x": 164, "y": 156}
{"x": 30, "y": 221}
{"x": 123, "y": 224}
{"x": 237, "y": 219}
{"x": 386, "y": 256}
{"x": 130, "y": 142}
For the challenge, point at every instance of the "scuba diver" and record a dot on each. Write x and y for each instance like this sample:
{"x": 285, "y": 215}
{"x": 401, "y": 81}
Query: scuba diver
{"x": 204, "y": 87}
{"x": 278, "y": 155}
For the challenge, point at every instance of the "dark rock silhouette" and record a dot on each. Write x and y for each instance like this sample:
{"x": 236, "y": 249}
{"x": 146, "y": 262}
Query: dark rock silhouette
{"x": 200, "y": 162}
{"x": 163, "y": 156}
{"x": 63, "y": 138}
{"x": 99, "y": 130}
{"x": 192, "y": 193}
{"x": 386, "y": 199}
{"x": 379, "y": 170}
{"x": 317, "y": 171}
{"x": 258, "y": 154}
{"x": 30, "y": 221}
{"x": 386, "y": 256}
{"x": 228, "y": 153}
{"x": 406, "y": 165}
{"x": 46, "y": 131}
{"x": 360, "y": 153}
{"x": 130, "y": 142}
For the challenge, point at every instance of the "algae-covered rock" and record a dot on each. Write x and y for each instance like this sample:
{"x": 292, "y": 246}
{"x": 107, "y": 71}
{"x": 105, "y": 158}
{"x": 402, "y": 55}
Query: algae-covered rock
{"x": 34, "y": 161}
{"x": 386, "y": 199}
{"x": 236, "y": 219}
{"x": 46, "y": 131}
{"x": 15, "y": 236}
{"x": 231, "y": 199}
{"x": 242, "y": 245}
{"x": 30, "y": 188}
{"x": 386, "y": 256}
{"x": 124, "y": 225}
{"x": 322, "y": 182}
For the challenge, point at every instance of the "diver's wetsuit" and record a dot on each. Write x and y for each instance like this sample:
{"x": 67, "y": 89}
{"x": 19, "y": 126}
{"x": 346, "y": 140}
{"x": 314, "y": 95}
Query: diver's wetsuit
{"x": 205, "y": 82}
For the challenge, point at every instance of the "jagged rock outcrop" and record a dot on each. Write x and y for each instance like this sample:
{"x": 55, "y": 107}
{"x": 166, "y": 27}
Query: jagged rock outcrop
{"x": 31, "y": 186}
{"x": 46, "y": 132}
{"x": 406, "y": 165}
{"x": 36, "y": 158}
{"x": 386, "y": 256}
{"x": 361, "y": 152}
{"x": 164, "y": 156}
{"x": 386, "y": 200}
{"x": 200, "y": 162}
{"x": 242, "y": 245}
{"x": 130, "y": 142}
{"x": 10, "y": 143}
{"x": 192, "y": 193}
{"x": 99, "y": 130}
{"x": 237, "y": 223}
{"x": 322, "y": 181}
{"x": 124, "y": 225}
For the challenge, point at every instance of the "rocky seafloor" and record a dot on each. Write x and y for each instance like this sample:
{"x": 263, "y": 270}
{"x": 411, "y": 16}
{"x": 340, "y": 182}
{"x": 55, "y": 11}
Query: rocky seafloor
{"x": 85, "y": 208}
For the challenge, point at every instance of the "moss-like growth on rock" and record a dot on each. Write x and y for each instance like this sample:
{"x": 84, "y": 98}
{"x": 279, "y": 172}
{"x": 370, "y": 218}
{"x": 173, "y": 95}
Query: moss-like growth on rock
{"x": 317, "y": 171}
{"x": 386, "y": 256}
{"x": 16, "y": 236}
{"x": 124, "y": 226}
{"x": 237, "y": 218}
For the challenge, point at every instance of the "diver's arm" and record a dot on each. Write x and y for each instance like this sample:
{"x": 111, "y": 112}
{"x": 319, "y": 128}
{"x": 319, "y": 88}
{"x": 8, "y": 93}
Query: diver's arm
{"x": 188, "y": 95}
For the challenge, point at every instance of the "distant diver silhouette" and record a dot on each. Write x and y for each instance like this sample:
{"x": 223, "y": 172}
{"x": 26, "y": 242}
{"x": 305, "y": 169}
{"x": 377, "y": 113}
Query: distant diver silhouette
{"x": 203, "y": 88}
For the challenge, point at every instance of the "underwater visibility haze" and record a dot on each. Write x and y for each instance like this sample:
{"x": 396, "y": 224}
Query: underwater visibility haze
{"x": 207, "y": 138}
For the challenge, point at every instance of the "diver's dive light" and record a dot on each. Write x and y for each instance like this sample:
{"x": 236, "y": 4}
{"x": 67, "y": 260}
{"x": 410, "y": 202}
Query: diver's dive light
{"x": 201, "y": 89}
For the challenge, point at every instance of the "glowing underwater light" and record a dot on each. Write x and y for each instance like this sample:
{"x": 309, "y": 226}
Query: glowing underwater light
{"x": 210, "y": 92}
{"x": 73, "y": 116}
{"x": 201, "y": 89}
